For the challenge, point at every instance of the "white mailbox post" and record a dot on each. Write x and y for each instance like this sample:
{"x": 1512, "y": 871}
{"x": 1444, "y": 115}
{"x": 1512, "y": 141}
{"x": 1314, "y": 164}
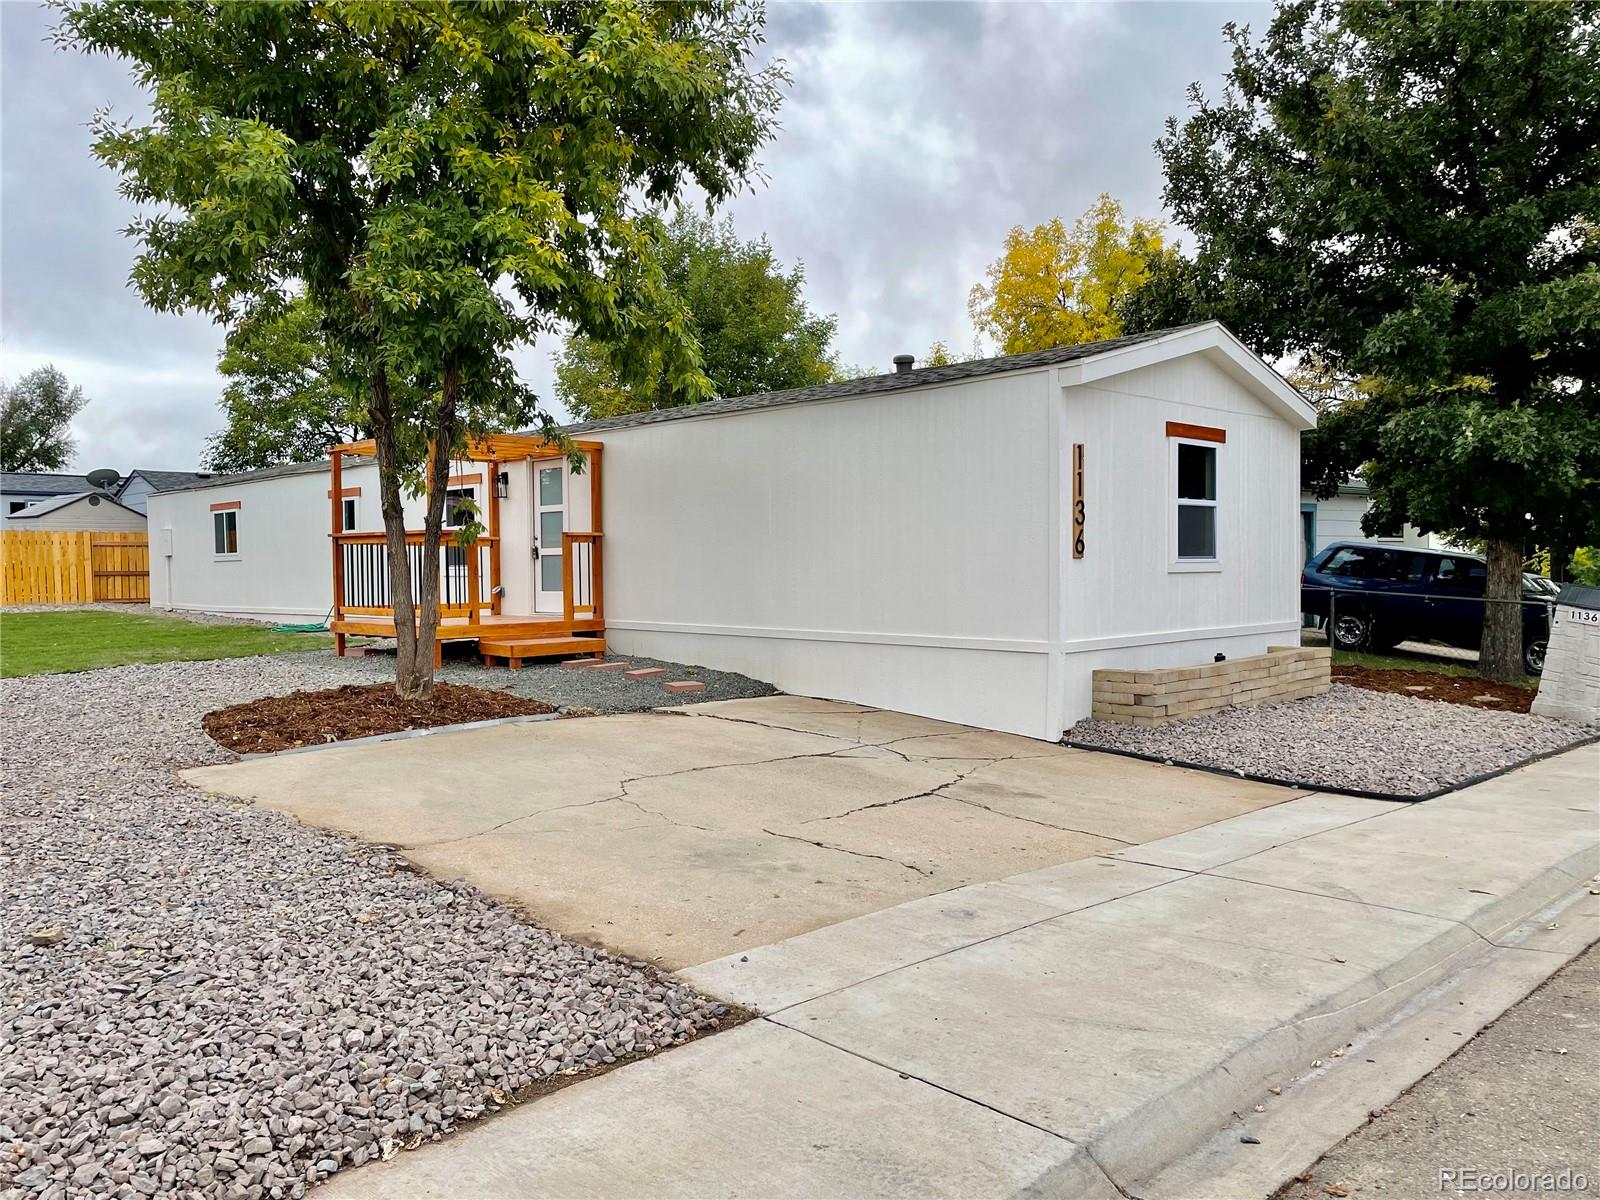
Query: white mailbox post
{"x": 1570, "y": 686}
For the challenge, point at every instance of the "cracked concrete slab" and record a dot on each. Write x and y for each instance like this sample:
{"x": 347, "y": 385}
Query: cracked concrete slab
{"x": 1072, "y": 1030}
{"x": 940, "y": 837}
{"x": 687, "y": 835}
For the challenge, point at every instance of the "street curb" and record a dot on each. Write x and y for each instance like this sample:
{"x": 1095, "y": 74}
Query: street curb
{"x": 1170, "y": 1127}
{"x": 1360, "y": 794}
{"x": 1322, "y": 1107}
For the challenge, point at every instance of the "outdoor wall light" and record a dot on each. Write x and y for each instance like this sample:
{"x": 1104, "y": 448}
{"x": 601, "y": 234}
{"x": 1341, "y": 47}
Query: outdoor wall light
{"x": 502, "y": 484}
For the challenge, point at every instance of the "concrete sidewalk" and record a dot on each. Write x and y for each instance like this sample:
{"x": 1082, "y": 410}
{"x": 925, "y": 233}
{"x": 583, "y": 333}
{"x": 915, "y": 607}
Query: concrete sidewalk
{"x": 1069, "y": 1031}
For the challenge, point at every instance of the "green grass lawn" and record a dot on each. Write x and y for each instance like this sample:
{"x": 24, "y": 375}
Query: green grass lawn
{"x": 40, "y": 643}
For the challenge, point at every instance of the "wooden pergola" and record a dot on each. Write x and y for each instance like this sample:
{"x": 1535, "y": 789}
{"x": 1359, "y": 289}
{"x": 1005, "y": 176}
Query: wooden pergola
{"x": 478, "y": 615}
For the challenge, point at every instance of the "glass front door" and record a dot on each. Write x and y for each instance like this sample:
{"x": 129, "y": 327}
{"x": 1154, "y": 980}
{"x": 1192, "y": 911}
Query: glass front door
{"x": 549, "y": 521}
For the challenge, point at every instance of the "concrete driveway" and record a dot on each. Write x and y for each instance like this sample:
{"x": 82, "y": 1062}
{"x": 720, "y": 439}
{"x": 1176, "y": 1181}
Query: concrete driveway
{"x": 685, "y": 835}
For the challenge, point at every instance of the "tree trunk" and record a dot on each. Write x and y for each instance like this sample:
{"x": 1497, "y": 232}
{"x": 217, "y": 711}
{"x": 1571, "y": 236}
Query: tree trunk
{"x": 439, "y": 447}
{"x": 1500, "y": 655}
{"x": 409, "y": 682}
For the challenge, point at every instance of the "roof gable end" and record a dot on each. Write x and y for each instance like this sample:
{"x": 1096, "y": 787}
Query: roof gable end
{"x": 1220, "y": 347}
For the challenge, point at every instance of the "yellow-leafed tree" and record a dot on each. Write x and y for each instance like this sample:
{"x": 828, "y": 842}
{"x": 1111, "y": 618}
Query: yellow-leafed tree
{"x": 1057, "y": 285}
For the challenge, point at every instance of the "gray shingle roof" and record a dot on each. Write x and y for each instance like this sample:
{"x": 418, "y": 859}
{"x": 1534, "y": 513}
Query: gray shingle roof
{"x": 278, "y": 472}
{"x": 1577, "y": 596}
{"x": 872, "y": 384}
{"x": 42, "y": 483}
{"x": 844, "y": 389}
{"x": 163, "y": 481}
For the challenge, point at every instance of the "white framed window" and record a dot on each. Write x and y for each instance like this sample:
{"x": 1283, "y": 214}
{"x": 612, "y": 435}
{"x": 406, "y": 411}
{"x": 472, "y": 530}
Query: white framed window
{"x": 1194, "y": 472}
{"x": 347, "y": 513}
{"x": 225, "y": 532}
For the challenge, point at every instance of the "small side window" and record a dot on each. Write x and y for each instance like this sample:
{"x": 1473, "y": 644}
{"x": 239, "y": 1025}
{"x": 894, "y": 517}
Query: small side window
{"x": 1197, "y": 502}
{"x": 225, "y": 531}
{"x": 348, "y": 509}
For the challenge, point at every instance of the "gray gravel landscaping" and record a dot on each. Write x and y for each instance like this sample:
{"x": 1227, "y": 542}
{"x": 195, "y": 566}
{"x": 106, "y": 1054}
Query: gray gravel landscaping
{"x": 1348, "y": 738}
{"x": 204, "y": 998}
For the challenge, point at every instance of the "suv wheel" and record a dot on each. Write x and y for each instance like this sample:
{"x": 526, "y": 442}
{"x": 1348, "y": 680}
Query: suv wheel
{"x": 1533, "y": 656}
{"x": 1351, "y": 631}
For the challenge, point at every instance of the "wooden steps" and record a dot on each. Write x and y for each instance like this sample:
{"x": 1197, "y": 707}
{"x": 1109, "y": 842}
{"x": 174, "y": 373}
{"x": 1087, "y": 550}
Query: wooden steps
{"x": 515, "y": 649}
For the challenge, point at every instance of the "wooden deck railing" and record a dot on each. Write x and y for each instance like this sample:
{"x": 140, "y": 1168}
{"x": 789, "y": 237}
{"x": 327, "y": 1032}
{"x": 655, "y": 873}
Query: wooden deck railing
{"x": 361, "y": 586}
{"x": 582, "y": 576}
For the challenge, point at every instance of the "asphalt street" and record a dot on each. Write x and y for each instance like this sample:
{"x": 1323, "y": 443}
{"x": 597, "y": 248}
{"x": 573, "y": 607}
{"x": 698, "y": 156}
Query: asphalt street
{"x": 1515, "y": 1108}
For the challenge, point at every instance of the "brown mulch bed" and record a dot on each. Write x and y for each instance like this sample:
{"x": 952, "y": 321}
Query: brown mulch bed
{"x": 338, "y": 714}
{"x": 1430, "y": 685}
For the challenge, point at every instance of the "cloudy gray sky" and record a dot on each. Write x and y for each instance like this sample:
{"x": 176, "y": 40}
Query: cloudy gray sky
{"x": 915, "y": 135}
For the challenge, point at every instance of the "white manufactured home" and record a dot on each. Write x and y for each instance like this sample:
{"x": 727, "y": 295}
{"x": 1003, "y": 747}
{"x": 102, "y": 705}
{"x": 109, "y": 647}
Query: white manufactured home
{"x": 966, "y": 542}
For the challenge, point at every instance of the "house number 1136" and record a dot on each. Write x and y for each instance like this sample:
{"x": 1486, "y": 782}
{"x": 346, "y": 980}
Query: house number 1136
{"x": 1077, "y": 500}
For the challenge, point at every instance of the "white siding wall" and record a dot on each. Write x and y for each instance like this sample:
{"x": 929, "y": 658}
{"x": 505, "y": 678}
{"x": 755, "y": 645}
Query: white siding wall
{"x": 1339, "y": 520}
{"x": 891, "y": 550}
{"x": 137, "y": 494}
{"x": 516, "y": 539}
{"x": 1124, "y": 603}
{"x": 285, "y": 564}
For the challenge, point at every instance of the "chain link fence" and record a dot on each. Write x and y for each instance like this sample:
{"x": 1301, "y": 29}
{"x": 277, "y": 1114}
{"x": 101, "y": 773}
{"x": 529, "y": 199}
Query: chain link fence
{"x": 1378, "y": 619}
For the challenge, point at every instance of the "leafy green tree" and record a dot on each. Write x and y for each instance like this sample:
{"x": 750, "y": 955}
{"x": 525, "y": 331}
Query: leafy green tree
{"x": 1409, "y": 193}
{"x": 444, "y": 182}
{"x": 291, "y": 393}
{"x": 756, "y": 333}
{"x": 36, "y": 421}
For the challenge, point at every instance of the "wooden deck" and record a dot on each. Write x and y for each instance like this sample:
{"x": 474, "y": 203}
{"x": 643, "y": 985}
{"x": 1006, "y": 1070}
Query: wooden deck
{"x": 459, "y": 628}
{"x": 503, "y": 635}
{"x": 470, "y": 591}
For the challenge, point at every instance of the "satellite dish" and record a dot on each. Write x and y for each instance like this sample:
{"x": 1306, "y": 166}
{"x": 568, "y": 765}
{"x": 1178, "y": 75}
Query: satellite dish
{"x": 105, "y": 477}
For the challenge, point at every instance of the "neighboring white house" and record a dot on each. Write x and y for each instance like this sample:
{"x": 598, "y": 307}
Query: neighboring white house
{"x": 1338, "y": 519}
{"x": 85, "y": 510}
{"x": 137, "y": 485}
{"x": 966, "y": 542}
{"x": 22, "y": 489}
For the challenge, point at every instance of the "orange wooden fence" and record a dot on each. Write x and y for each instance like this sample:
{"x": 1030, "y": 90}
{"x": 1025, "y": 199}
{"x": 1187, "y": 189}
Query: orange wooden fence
{"x": 42, "y": 566}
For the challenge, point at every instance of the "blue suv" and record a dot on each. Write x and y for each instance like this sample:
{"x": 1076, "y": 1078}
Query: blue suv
{"x": 1382, "y": 595}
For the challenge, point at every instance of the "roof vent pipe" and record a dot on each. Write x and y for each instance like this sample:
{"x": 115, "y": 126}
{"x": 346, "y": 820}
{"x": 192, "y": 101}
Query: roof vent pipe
{"x": 903, "y": 364}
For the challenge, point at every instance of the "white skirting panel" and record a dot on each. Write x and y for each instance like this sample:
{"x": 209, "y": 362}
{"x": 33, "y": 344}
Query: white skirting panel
{"x": 989, "y": 689}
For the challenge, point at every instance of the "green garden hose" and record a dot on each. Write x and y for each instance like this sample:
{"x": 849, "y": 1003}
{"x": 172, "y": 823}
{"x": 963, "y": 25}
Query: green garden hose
{"x": 318, "y": 627}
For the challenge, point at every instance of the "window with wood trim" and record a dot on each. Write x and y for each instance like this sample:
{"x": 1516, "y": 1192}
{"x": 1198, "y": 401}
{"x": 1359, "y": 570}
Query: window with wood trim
{"x": 225, "y": 532}
{"x": 1196, "y": 479}
{"x": 347, "y": 512}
